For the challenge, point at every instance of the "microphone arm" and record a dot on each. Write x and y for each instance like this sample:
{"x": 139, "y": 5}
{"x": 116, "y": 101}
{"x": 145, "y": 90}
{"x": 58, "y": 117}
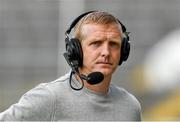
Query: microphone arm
{"x": 92, "y": 78}
{"x": 84, "y": 77}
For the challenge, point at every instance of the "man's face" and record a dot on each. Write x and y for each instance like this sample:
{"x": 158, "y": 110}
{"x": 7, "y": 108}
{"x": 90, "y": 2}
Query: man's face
{"x": 101, "y": 48}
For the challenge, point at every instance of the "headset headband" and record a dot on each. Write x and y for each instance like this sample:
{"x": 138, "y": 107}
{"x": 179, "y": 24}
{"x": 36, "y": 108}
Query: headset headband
{"x": 74, "y": 53}
{"x": 84, "y": 14}
{"x": 76, "y": 21}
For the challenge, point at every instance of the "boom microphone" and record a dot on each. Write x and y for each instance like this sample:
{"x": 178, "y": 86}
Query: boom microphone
{"x": 93, "y": 78}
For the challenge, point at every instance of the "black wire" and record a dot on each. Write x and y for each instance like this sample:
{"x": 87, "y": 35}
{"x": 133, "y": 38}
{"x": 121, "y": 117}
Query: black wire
{"x": 70, "y": 82}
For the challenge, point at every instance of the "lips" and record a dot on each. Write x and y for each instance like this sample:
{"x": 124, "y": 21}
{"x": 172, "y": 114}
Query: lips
{"x": 104, "y": 63}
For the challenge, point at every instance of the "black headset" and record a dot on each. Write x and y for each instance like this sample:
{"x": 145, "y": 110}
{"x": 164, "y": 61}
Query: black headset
{"x": 74, "y": 53}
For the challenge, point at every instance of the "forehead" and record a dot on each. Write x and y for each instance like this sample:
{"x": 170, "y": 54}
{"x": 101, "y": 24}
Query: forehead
{"x": 109, "y": 30}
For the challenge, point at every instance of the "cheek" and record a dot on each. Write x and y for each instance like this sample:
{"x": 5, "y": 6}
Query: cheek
{"x": 89, "y": 56}
{"x": 116, "y": 57}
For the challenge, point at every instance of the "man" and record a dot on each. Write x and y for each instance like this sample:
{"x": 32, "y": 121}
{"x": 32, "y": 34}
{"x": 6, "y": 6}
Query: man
{"x": 97, "y": 47}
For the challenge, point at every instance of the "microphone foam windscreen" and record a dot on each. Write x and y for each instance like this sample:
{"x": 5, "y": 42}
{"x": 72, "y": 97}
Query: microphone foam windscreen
{"x": 95, "y": 78}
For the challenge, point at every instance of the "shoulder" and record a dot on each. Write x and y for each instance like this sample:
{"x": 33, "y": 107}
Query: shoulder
{"x": 127, "y": 97}
{"x": 126, "y": 102}
{"x": 47, "y": 92}
{"x": 50, "y": 86}
{"x": 36, "y": 104}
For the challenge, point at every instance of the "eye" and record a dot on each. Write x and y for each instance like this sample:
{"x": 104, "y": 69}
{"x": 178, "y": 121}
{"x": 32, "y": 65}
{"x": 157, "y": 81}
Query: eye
{"x": 115, "y": 45}
{"x": 96, "y": 43}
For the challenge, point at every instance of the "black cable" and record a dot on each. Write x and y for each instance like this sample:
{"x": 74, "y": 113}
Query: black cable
{"x": 70, "y": 82}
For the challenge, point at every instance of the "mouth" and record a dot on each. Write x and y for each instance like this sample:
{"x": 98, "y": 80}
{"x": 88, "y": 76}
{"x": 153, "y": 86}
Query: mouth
{"x": 104, "y": 63}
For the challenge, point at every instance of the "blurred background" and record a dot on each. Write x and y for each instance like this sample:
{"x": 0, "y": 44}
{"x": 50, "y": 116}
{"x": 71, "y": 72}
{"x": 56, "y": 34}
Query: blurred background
{"x": 32, "y": 44}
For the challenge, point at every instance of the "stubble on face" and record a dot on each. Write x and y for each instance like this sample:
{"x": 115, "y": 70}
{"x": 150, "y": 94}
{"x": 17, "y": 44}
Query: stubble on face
{"x": 92, "y": 60}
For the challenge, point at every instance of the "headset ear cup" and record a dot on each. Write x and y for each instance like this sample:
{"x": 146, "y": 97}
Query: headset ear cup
{"x": 125, "y": 49}
{"x": 77, "y": 51}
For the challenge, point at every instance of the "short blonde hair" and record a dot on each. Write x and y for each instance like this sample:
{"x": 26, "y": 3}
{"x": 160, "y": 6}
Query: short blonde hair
{"x": 97, "y": 17}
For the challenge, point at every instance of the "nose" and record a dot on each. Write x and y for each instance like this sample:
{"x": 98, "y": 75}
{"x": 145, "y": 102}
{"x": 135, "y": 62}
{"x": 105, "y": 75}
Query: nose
{"x": 105, "y": 52}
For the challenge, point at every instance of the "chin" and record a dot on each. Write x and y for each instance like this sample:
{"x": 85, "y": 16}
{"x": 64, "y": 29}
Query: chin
{"x": 106, "y": 72}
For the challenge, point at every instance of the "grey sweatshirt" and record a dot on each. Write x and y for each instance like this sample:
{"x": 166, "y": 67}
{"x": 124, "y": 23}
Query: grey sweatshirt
{"x": 57, "y": 101}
